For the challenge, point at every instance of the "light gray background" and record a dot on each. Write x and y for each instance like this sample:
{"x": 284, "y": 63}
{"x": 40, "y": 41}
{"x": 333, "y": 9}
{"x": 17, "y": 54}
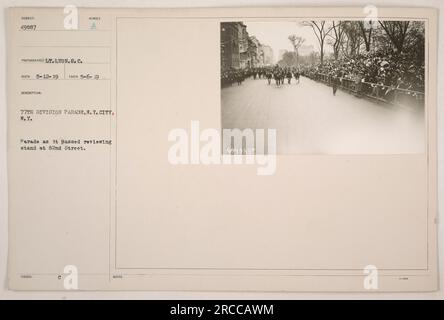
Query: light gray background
{"x": 6, "y": 294}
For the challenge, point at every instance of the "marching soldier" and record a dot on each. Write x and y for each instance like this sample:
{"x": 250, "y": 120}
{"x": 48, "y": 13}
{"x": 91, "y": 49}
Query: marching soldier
{"x": 297, "y": 75}
{"x": 336, "y": 82}
{"x": 269, "y": 76}
{"x": 289, "y": 76}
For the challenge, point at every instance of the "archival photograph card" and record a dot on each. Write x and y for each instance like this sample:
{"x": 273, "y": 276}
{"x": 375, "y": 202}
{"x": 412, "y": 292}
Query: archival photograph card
{"x": 229, "y": 149}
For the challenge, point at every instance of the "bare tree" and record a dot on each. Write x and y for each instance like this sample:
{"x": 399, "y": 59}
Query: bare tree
{"x": 321, "y": 31}
{"x": 353, "y": 39}
{"x": 366, "y": 34}
{"x": 296, "y": 42}
{"x": 337, "y": 37}
{"x": 397, "y": 32}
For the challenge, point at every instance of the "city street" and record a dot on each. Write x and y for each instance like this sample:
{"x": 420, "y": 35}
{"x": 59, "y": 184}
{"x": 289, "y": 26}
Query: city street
{"x": 309, "y": 119}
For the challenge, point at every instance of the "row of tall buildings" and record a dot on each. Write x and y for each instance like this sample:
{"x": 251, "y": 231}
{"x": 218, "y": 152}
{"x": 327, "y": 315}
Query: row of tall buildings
{"x": 239, "y": 50}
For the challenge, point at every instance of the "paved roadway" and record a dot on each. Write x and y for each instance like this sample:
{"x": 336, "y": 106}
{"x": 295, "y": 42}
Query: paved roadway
{"x": 309, "y": 119}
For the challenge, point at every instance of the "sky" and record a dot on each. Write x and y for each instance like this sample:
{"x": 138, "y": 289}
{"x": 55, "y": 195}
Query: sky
{"x": 275, "y": 34}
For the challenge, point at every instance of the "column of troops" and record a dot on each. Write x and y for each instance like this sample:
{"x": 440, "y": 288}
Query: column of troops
{"x": 276, "y": 73}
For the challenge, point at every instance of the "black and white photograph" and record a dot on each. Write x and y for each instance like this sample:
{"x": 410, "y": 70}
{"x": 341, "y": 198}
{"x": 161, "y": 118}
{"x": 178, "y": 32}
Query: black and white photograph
{"x": 246, "y": 154}
{"x": 326, "y": 86}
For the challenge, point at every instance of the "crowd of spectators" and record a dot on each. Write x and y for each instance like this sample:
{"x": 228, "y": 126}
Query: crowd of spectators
{"x": 383, "y": 69}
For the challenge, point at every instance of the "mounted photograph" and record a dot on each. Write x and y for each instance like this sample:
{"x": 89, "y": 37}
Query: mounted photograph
{"x": 326, "y": 86}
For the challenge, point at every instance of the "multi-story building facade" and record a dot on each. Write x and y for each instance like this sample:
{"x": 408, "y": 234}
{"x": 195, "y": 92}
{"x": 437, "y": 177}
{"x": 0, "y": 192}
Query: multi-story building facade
{"x": 268, "y": 58}
{"x": 253, "y": 51}
{"x": 239, "y": 50}
{"x": 229, "y": 46}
